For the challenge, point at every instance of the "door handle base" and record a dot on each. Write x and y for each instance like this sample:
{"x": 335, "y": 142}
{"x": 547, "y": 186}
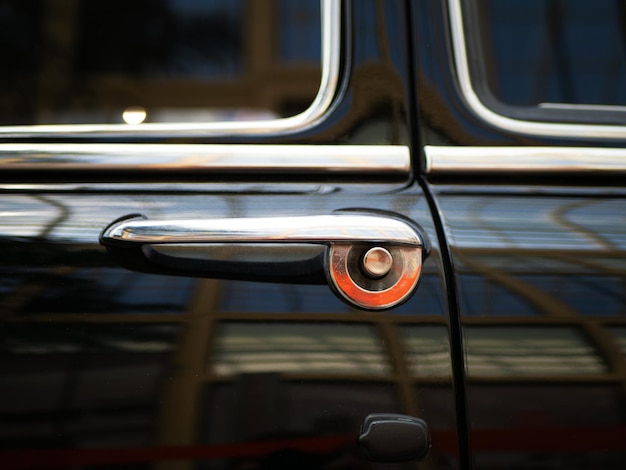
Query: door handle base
{"x": 370, "y": 260}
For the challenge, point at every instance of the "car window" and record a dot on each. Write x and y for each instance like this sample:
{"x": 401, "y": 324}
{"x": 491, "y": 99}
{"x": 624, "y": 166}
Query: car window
{"x": 549, "y": 60}
{"x": 145, "y": 61}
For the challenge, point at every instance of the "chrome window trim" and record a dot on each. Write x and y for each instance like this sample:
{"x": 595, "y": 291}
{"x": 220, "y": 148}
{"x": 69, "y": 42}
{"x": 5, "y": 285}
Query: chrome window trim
{"x": 545, "y": 129}
{"x": 331, "y": 25}
{"x": 217, "y": 158}
{"x": 583, "y": 107}
{"x": 541, "y": 160}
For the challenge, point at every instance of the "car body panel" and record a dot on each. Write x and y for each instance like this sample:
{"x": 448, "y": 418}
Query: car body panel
{"x": 97, "y": 357}
{"x": 511, "y": 348}
{"x": 540, "y": 278}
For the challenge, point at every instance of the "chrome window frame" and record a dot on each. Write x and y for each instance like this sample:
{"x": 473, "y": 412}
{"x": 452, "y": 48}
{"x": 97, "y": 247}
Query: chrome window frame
{"x": 331, "y": 34}
{"x": 382, "y": 161}
{"x": 518, "y": 126}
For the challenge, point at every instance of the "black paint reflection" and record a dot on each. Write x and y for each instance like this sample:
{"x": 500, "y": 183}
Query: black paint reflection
{"x": 230, "y": 394}
{"x": 520, "y": 256}
{"x": 101, "y": 366}
{"x": 541, "y": 286}
{"x": 81, "y": 385}
{"x": 120, "y": 369}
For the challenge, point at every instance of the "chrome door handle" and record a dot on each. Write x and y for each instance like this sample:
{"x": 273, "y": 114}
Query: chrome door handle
{"x": 372, "y": 261}
{"x": 318, "y": 229}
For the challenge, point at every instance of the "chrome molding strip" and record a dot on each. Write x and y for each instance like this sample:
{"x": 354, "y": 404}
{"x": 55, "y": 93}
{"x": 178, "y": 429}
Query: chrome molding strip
{"x": 440, "y": 160}
{"x": 578, "y": 131}
{"x": 331, "y": 25}
{"x": 353, "y": 159}
{"x": 583, "y": 107}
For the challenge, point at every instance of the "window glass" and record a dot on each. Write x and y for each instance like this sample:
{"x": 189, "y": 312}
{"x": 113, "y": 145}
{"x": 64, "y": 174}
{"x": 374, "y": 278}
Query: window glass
{"x": 557, "y": 57}
{"x": 116, "y": 61}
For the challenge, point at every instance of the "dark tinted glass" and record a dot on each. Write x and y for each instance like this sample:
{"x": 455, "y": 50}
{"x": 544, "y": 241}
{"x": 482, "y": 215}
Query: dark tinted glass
{"x": 87, "y": 61}
{"x": 537, "y": 52}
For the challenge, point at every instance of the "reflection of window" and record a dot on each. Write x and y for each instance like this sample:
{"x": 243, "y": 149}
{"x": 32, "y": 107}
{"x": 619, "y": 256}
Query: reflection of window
{"x": 298, "y": 347}
{"x": 620, "y": 334}
{"x": 480, "y": 296}
{"x": 549, "y": 60}
{"x": 42, "y": 339}
{"x": 88, "y": 61}
{"x": 428, "y": 350}
{"x": 522, "y": 351}
{"x": 588, "y": 294}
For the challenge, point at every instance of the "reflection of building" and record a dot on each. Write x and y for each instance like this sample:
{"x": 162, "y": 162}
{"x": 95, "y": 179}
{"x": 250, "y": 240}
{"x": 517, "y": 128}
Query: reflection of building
{"x": 549, "y": 296}
{"x": 131, "y": 359}
{"x": 190, "y": 353}
{"x": 541, "y": 286}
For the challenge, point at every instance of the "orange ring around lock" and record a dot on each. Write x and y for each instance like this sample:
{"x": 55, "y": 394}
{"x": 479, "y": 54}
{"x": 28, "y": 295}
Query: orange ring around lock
{"x": 374, "y": 300}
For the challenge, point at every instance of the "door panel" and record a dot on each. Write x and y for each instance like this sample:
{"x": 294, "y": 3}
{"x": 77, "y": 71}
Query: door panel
{"x": 532, "y": 213}
{"x": 109, "y": 368}
{"x": 541, "y": 291}
{"x": 104, "y": 366}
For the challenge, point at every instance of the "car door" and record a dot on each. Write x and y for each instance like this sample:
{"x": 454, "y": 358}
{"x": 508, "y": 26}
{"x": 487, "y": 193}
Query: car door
{"x": 521, "y": 115}
{"x": 269, "y": 128}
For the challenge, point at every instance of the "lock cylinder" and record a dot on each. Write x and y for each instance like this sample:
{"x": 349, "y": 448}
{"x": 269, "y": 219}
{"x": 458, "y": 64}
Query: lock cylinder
{"x": 374, "y": 277}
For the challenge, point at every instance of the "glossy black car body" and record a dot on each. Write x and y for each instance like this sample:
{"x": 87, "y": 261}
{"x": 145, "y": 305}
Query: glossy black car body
{"x": 511, "y": 349}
